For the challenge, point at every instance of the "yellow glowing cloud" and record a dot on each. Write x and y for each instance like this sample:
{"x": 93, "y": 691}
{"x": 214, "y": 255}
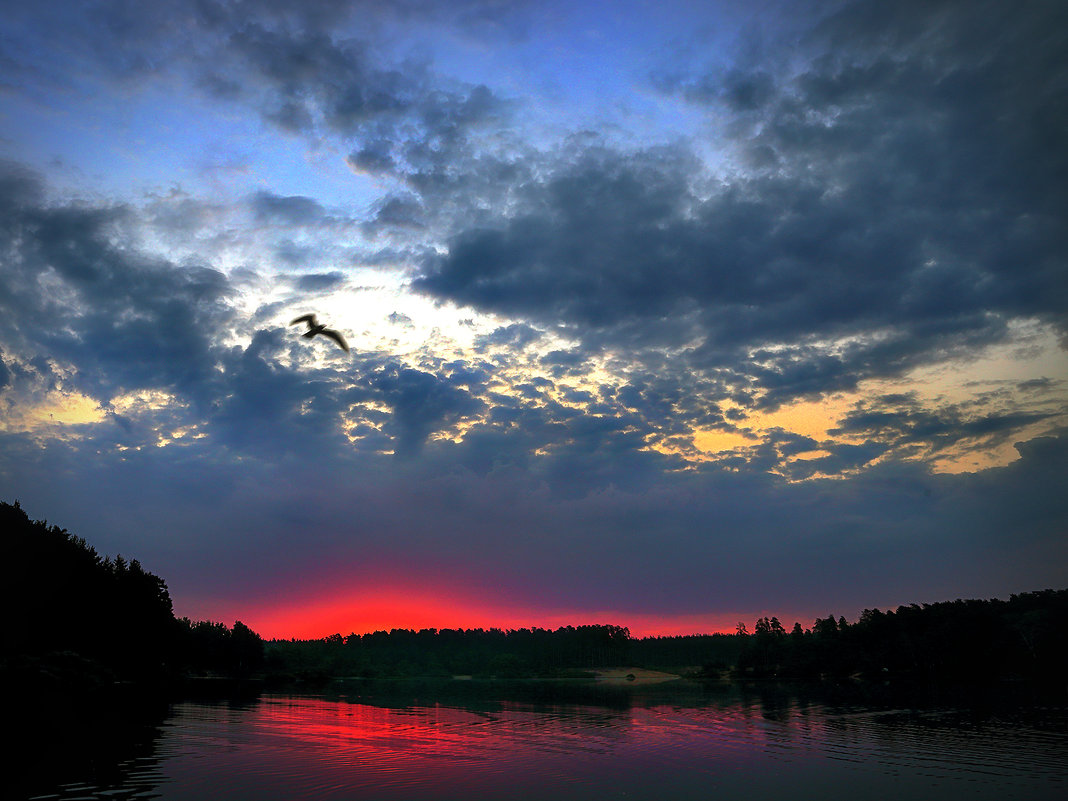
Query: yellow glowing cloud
{"x": 714, "y": 441}
{"x": 805, "y": 417}
{"x": 55, "y": 409}
{"x": 144, "y": 401}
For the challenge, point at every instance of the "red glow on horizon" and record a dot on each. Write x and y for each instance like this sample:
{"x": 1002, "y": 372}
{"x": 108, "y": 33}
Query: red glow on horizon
{"x": 389, "y": 608}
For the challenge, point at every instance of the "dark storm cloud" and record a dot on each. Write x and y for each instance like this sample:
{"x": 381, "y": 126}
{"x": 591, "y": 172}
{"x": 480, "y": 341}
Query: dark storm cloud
{"x": 312, "y": 78}
{"x": 19, "y": 186}
{"x": 71, "y": 291}
{"x": 319, "y": 69}
{"x": 570, "y": 447}
{"x": 515, "y": 335}
{"x": 264, "y": 407}
{"x": 319, "y": 282}
{"x": 181, "y": 217}
{"x": 373, "y": 157}
{"x": 1038, "y": 385}
{"x": 398, "y": 212}
{"x": 421, "y": 403}
{"x": 678, "y": 400}
{"x": 903, "y": 420}
{"x": 293, "y": 210}
{"x": 843, "y": 458}
{"x": 407, "y": 123}
{"x": 132, "y": 41}
{"x": 565, "y": 362}
{"x": 568, "y": 255}
{"x": 317, "y": 80}
{"x": 906, "y": 217}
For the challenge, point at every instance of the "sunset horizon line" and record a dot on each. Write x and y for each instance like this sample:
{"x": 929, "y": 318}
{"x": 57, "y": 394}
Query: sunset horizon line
{"x": 287, "y": 627}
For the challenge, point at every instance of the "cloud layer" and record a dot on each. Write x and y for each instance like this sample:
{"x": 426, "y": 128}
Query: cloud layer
{"x": 724, "y": 345}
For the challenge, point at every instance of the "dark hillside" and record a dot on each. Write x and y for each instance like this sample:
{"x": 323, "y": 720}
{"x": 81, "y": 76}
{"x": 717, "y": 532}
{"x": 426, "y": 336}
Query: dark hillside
{"x": 79, "y": 620}
{"x": 64, "y": 598}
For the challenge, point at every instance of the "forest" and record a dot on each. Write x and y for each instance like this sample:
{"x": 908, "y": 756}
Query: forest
{"x": 1021, "y": 638}
{"x": 78, "y": 619}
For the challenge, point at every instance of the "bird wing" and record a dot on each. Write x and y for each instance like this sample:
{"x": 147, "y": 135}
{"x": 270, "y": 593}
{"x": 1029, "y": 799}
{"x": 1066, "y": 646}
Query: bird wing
{"x": 334, "y": 335}
{"x": 304, "y": 318}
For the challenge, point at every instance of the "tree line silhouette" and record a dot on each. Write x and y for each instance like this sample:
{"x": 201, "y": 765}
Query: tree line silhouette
{"x": 569, "y": 651}
{"x": 79, "y": 619}
{"x": 1021, "y": 638}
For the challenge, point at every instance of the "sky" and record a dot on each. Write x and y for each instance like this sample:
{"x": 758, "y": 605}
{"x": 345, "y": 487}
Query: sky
{"x": 665, "y": 315}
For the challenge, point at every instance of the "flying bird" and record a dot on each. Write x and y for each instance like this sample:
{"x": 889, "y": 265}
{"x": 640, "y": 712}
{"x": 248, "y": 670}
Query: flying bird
{"x": 315, "y": 327}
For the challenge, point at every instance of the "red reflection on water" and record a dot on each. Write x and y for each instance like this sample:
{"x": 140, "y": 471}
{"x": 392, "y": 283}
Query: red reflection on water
{"x": 305, "y": 748}
{"x": 446, "y": 749}
{"x": 436, "y": 731}
{"x": 471, "y": 736}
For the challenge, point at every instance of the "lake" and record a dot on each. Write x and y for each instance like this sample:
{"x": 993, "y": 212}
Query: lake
{"x": 475, "y": 740}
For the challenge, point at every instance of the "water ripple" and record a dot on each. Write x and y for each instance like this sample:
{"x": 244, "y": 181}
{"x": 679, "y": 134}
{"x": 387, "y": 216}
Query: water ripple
{"x": 310, "y": 748}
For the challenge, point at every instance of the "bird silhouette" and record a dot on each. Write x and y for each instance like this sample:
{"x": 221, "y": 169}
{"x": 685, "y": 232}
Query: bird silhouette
{"x": 315, "y": 327}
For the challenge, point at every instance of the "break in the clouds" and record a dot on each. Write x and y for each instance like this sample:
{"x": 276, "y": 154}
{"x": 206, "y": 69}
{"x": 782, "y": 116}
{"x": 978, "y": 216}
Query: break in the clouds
{"x": 701, "y": 313}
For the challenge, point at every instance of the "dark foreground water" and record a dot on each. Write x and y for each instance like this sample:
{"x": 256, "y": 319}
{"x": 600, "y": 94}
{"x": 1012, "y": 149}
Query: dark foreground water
{"x": 537, "y": 741}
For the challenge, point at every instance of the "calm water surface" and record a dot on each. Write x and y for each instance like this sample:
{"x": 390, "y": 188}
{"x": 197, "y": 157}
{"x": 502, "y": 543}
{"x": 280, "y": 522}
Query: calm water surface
{"x": 497, "y": 742}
